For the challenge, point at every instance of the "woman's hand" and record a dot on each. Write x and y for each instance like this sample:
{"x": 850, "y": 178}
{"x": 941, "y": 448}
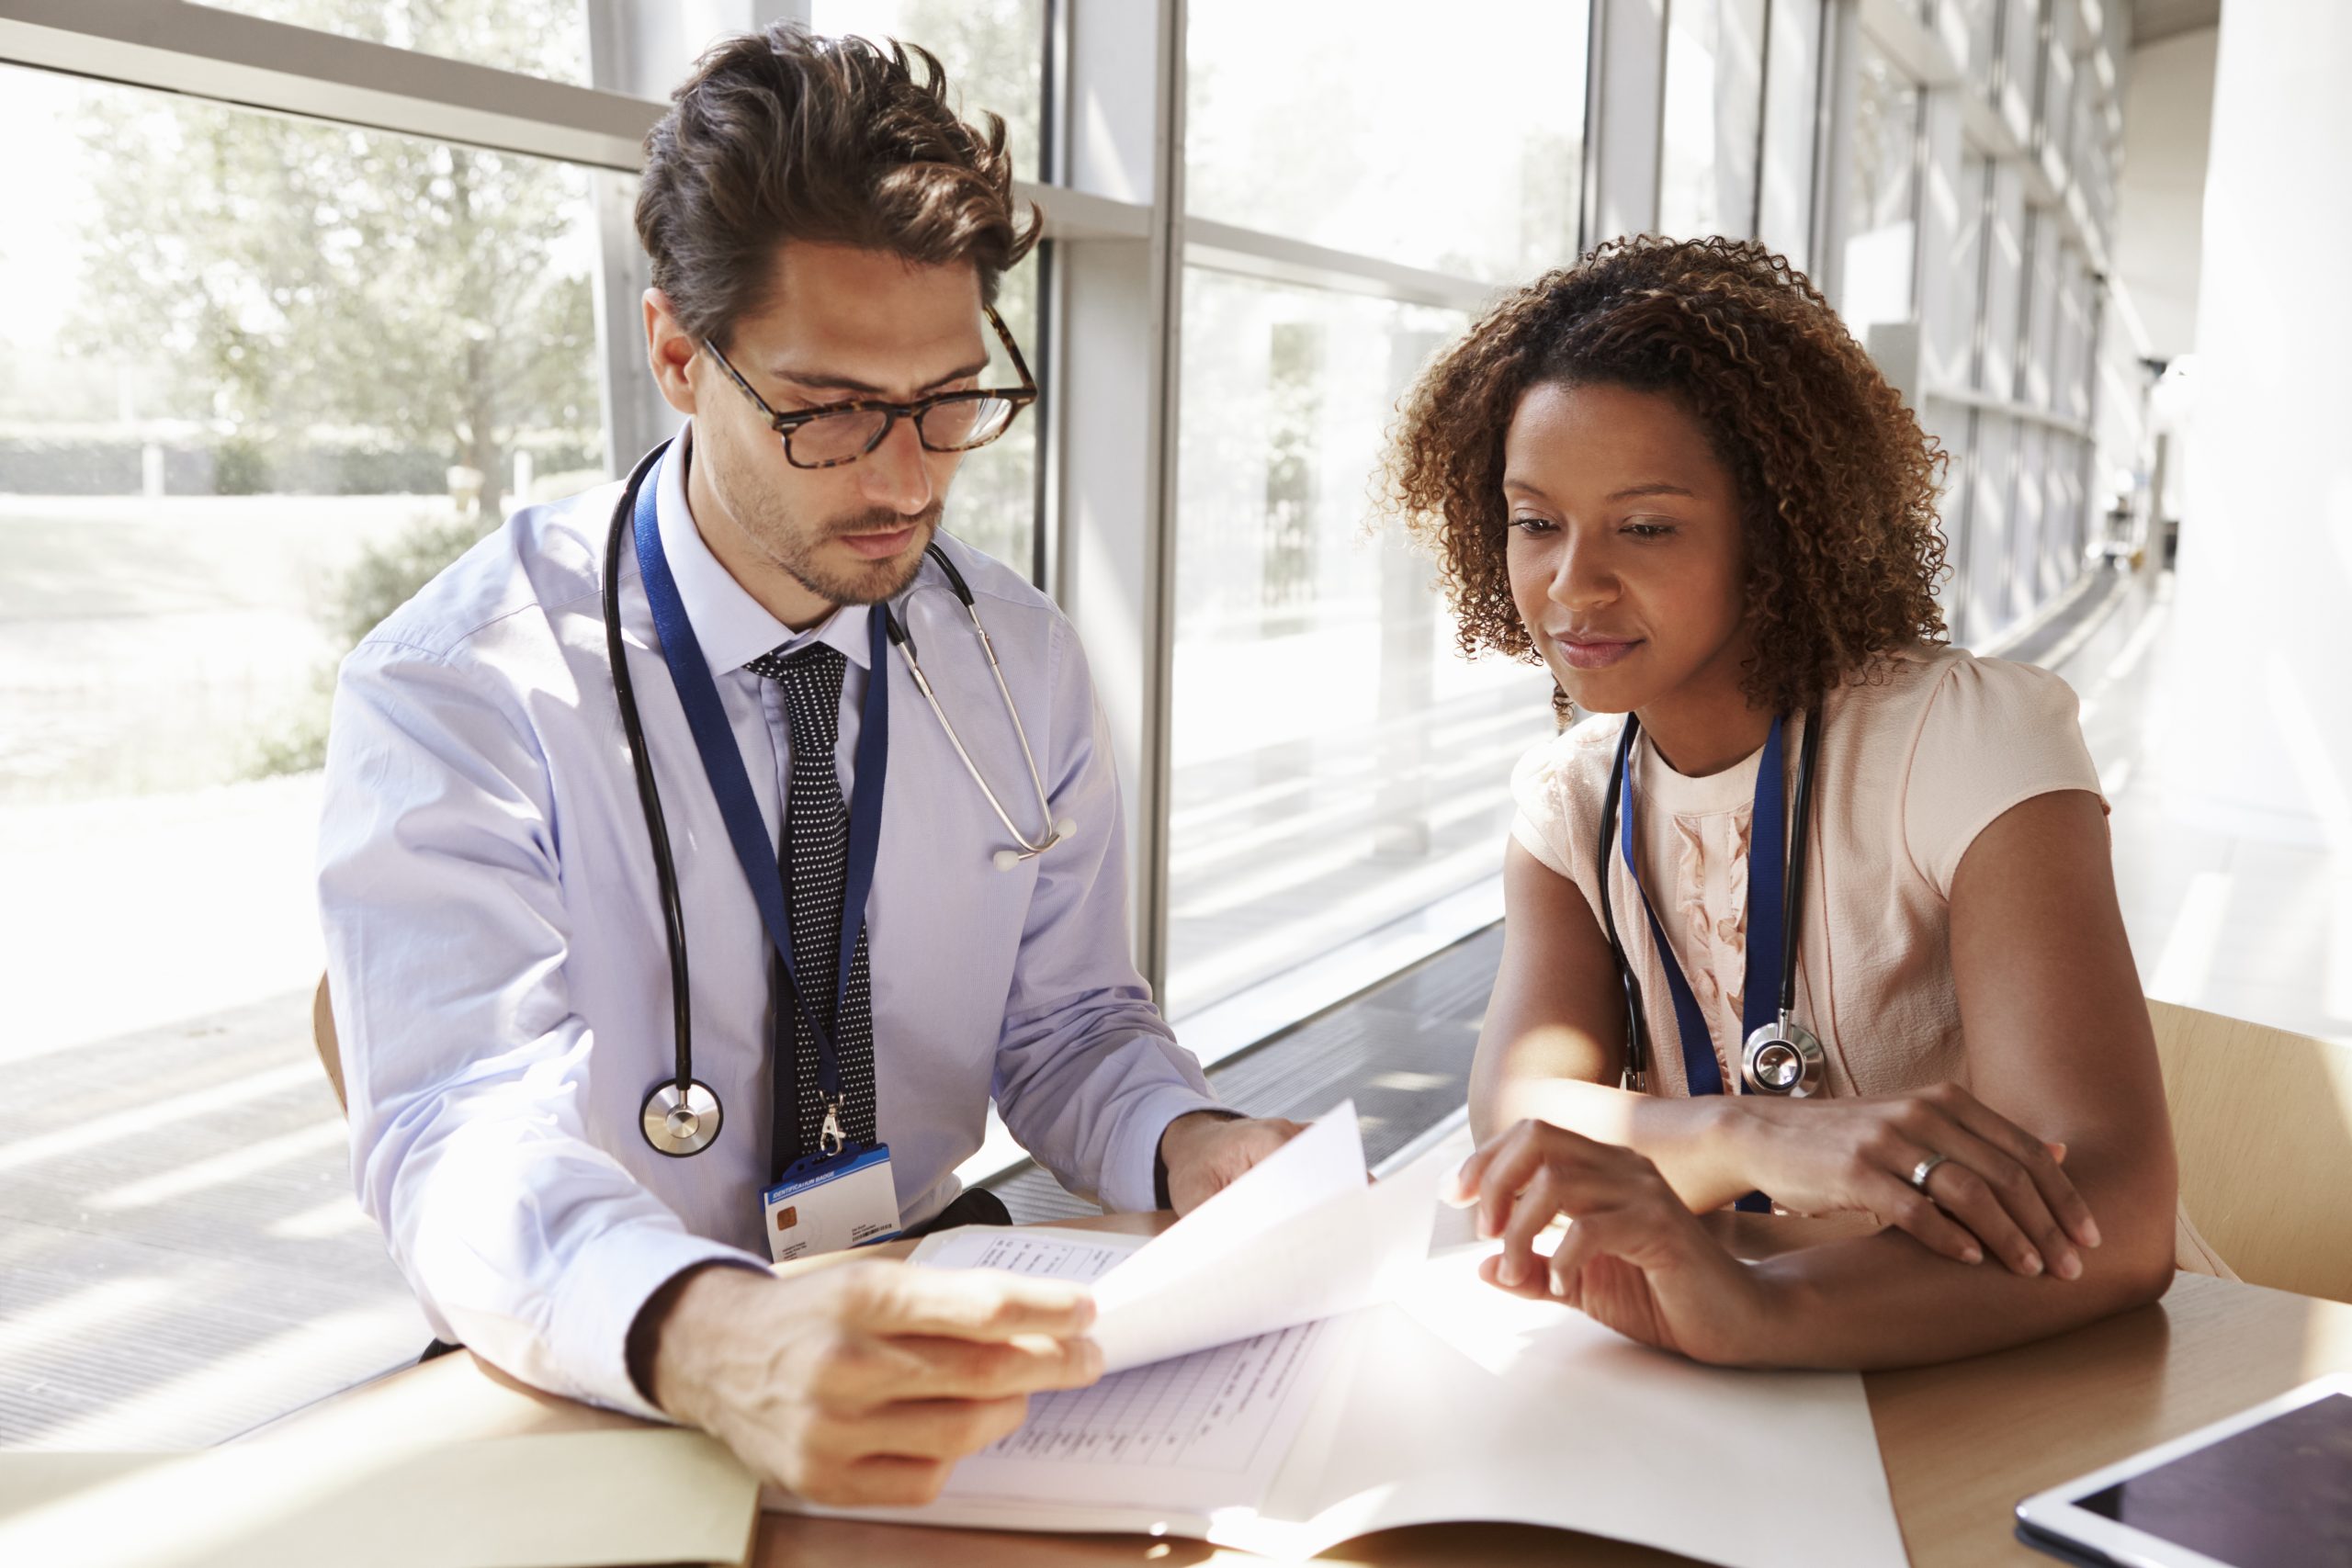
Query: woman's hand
{"x": 1998, "y": 1189}
{"x": 1636, "y": 1258}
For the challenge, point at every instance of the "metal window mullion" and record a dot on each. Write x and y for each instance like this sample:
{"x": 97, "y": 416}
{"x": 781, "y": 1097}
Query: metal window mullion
{"x": 1841, "y": 76}
{"x": 1114, "y": 301}
{"x": 277, "y": 67}
{"x": 1168, "y": 291}
{"x": 1248, "y": 253}
{"x": 1763, "y": 124}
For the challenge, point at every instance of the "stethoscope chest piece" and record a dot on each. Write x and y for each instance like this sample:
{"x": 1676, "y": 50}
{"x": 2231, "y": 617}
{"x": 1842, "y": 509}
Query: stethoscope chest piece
{"x": 678, "y": 1123}
{"x": 1784, "y": 1058}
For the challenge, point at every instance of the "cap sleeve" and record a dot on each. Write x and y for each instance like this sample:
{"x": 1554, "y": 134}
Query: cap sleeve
{"x": 1541, "y": 824}
{"x": 1994, "y": 734}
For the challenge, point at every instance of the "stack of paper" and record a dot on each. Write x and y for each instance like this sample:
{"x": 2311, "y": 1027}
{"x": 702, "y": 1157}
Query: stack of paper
{"x": 1303, "y": 1236}
{"x": 1279, "y": 1431}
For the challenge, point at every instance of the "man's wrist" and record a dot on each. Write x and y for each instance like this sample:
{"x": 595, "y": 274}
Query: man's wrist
{"x": 1159, "y": 1198}
{"x": 653, "y": 1329}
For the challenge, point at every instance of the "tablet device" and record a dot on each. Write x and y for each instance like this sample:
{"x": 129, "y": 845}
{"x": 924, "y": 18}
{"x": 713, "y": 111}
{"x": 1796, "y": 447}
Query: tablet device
{"x": 2268, "y": 1488}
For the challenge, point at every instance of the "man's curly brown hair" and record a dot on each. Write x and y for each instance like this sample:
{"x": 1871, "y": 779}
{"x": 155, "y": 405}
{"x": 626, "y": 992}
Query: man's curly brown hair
{"x": 1837, "y": 484}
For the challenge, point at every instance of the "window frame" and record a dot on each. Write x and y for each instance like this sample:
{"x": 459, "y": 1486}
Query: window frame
{"x": 1118, "y": 240}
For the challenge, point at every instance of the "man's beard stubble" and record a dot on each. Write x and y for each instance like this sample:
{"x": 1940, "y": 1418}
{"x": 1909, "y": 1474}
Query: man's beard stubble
{"x": 866, "y": 582}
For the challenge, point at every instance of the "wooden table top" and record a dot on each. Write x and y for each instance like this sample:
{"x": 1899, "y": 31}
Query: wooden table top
{"x": 1962, "y": 1442}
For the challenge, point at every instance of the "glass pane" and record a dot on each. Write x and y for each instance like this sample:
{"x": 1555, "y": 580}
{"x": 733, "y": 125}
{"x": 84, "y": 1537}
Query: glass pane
{"x": 1792, "y": 101}
{"x": 1296, "y": 127}
{"x": 1714, "y": 97}
{"x": 1949, "y": 318}
{"x": 538, "y": 38}
{"x": 993, "y": 504}
{"x": 1883, "y": 219}
{"x": 1335, "y": 764}
{"x": 994, "y": 51}
{"x": 1984, "y": 24}
{"x": 2039, "y": 353}
{"x": 2004, "y": 279}
{"x": 282, "y": 373}
{"x": 1991, "y": 529}
{"x": 2020, "y": 63}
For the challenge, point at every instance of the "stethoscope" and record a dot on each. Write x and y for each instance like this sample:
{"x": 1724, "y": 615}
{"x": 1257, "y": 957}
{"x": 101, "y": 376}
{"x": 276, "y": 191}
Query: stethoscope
{"x": 681, "y": 1115}
{"x": 1781, "y": 1055}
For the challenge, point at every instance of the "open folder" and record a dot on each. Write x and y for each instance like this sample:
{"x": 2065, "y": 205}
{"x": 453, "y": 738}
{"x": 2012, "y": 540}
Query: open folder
{"x": 1322, "y": 1372}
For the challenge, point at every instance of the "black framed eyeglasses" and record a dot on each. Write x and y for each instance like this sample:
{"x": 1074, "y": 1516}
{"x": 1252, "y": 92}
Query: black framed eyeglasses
{"x": 842, "y": 432}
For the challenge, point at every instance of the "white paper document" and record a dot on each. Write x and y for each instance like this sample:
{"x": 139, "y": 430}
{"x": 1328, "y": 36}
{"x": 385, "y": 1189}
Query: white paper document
{"x": 1194, "y": 1435}
{"x": 1304, "y": 1236}
{"x": 1285, "y": 1423}
{"x": 1459, "y": 1402}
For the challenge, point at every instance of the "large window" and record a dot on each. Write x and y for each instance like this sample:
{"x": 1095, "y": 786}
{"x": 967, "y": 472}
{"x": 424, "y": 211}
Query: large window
{"x": 994, "y": 50}
{"x": 1334, "y": 762}
{"x": 284, "y": 372}
{"x": 1457, "y": 147}
{"x": 1714, "y": 107}
{"x": 1882, "y": 240}
{"x": 277, "y": 369}
{"x": 538, "y": 38}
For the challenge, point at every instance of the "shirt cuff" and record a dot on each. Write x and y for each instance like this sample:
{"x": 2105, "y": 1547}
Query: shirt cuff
{"x": 604, "y": 1289}
{"x": 1127, "y": 1185}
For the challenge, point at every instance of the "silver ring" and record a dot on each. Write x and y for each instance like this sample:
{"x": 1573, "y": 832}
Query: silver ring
{"x": 1920, "y": 1172}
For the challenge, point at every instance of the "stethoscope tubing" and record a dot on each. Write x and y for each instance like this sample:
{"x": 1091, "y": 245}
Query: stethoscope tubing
{"x": 1053, "y": 832}
{"x": 649, "y": 792}
{"x": 1800, "y": 840}
{"x": 1792, "y": 899}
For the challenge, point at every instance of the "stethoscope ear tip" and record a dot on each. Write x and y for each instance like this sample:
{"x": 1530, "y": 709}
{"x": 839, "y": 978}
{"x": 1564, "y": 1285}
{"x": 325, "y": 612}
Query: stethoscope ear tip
{"x": 1007, "y": 859}
{"x": 1066, "y": 828}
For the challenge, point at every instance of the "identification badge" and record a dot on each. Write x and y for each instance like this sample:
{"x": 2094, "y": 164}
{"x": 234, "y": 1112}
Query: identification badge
{"x": 832, "y": 1203}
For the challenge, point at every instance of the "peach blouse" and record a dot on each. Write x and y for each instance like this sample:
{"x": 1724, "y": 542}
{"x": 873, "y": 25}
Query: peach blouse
{"x": 1915, "y": 764}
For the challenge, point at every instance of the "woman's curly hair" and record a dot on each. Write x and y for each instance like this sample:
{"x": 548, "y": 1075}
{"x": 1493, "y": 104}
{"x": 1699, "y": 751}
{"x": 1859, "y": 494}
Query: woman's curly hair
{"x": 1837, "y": 484}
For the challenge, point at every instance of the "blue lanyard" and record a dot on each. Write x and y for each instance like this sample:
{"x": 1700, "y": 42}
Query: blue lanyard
{"x": 1766, "y": 866}
{"x": 722, "y": 763}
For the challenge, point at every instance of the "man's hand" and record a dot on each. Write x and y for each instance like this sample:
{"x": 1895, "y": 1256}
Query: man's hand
{"x": 863, "y": 1383}
{"x": 1205, "y": 1153}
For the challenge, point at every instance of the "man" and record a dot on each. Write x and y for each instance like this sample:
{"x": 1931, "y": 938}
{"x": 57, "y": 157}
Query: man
{"x": 824, "y": 231}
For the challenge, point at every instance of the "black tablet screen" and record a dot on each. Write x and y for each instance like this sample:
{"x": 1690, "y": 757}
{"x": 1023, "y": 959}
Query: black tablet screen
{"x": 2276, "y": 1496}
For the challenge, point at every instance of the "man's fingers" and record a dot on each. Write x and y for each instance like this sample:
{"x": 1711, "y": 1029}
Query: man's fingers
{"x": 928, "y": 1428}
{"x": 876, "y": 1481}
{"x": 971, "y": 1368}
{"x": 968, "y": 1303}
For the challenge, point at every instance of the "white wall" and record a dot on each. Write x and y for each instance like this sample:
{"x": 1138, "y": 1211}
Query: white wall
{"x": 2167, "y": 124}
{"x": 2262, "y": 732}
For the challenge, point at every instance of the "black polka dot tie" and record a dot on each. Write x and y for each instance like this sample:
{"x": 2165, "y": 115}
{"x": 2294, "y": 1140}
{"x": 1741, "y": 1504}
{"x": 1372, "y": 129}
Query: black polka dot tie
{"x": 814, "y": 856}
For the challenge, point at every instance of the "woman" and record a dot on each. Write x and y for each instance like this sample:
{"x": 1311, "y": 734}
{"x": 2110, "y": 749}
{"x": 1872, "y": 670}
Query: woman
{"x": 1671, "y": 474}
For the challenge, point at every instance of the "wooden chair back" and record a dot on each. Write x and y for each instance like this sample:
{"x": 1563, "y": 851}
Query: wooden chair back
{"x": 2263, "y": 1120}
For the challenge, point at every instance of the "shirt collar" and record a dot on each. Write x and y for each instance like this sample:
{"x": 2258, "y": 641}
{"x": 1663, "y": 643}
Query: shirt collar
{"x": 733, "y": 628}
